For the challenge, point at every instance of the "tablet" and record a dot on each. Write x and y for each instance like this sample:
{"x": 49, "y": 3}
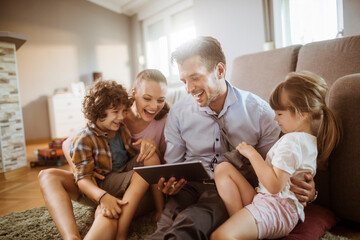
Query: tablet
{"x": 190, "y": 171}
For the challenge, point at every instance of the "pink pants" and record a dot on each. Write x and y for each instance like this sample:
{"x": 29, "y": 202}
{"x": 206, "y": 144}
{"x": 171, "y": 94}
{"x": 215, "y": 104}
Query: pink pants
{"x": 275, "y": 217}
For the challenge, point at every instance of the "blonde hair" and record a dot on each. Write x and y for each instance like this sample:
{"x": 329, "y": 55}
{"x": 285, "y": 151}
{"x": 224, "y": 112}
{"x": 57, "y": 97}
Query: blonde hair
{"x": 156, "y": 76}
{"x": 307, "y": 93}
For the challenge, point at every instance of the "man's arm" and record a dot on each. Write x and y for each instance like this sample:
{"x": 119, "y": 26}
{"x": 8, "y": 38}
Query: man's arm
{"x": 304, "y": 190}
{"x": 175, "y": 151}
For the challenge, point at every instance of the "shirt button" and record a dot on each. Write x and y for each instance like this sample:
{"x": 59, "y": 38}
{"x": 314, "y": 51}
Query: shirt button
{"x": 217, "y": 155}
{"x": 217, "y": 139}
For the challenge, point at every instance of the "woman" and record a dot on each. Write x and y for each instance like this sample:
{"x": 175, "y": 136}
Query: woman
{"x": 58, "y": 186}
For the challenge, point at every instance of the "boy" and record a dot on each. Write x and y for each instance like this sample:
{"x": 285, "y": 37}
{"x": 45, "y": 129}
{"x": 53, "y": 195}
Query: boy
{"x": 104, "y": 147}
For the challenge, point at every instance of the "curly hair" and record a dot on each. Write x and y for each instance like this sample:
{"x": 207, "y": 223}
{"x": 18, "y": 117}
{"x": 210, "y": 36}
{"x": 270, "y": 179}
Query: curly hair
{"x": 104, "y": 94}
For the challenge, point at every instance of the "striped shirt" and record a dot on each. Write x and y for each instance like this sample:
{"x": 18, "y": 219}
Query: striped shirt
{"x": 90, "y": 151}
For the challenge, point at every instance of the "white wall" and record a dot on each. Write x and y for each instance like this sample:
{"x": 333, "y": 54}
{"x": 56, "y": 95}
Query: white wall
{"x": 67, "y": 40}
{"x": 237, "y": 24}
{"x": 351, "y": 17}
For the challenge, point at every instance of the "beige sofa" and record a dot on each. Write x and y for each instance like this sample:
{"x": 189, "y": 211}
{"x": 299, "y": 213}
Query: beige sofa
{"x": 338, "y": 62}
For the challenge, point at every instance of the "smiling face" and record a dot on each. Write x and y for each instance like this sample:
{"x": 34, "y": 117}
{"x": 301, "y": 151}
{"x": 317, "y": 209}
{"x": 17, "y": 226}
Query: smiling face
{"x": 289, "y": 121}
{"x": 149, "y": 98}
{"x": 114, "y": 118}
{"x": 203, "y": 85}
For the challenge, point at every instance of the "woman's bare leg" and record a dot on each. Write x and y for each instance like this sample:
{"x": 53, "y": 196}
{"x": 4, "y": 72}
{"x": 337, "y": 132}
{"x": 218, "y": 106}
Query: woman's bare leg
{"x": 58, "y": 188}
{"x": 138, "y": 186}
{"x": 156, "y": 193}
{"x": 102, "y": 227}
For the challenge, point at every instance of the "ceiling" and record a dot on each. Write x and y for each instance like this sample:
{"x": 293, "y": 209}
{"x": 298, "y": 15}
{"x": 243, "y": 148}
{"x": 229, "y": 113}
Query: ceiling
{"x": 127, "y": 7}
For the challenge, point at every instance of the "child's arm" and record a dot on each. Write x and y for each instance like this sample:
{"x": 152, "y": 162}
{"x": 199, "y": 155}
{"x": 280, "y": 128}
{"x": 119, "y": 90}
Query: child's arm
{"x": 66, "y": 149}
{"x": 110, "y": 205}
{"x": 273, "y": 179}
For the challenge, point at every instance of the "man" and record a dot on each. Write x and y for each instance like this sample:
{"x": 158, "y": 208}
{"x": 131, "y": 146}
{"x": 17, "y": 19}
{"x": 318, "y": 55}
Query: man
{"x": 194, "y": 209}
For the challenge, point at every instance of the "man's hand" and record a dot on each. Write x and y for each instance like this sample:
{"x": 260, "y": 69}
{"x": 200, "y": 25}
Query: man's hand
{"x": 304, "y": 190}
{"x": 172, "y": 186}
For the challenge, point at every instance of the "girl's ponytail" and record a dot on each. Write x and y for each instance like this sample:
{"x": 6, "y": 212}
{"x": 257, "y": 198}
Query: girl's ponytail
{"x": 328, "y": 136}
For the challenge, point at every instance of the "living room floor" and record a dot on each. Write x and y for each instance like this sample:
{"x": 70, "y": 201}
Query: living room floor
{"x": 20, "y": 191}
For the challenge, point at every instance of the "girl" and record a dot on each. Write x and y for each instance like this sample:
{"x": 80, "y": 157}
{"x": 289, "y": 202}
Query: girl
{"x": 273, "y": 210}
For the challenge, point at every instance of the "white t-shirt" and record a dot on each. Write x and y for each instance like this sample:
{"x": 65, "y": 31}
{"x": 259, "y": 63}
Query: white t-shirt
{"x": 294, "y": 153}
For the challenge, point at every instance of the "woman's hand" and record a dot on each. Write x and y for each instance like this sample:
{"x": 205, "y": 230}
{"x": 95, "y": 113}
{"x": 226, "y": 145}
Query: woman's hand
{"x": 172, "y": 186}
{"x": 111, "y": 206}
{"x": 304, "y": 189}
{"x": 147, "y": 149}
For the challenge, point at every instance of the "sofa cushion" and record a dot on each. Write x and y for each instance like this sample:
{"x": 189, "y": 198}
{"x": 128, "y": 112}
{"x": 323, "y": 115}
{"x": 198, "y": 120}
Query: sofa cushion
{"x": 331, "y": 59}
{"x": 318, "y": 220}
{"x": 260, "y": 72}
{"x": 344, "y": 162}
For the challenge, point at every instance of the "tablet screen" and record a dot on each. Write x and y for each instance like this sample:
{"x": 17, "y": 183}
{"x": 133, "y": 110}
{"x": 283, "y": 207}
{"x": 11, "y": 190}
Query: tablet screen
{"x": 190, "y": 171}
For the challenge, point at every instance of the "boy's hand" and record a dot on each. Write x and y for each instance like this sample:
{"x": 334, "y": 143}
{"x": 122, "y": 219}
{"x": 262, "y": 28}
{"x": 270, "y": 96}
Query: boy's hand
{"x": 246, "y": 150}
{"x": 304, "y": 189}
{"x": 98, "y": 176}
{"x": 111, "y": 206}
{"x": 147, "y": 149}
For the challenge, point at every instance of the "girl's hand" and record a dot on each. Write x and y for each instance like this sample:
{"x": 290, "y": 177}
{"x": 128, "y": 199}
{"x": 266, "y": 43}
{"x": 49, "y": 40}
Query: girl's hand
{"x": 147, "y": 149}
{"x": 111, "y": 206}
{"x": 246, "y": 150}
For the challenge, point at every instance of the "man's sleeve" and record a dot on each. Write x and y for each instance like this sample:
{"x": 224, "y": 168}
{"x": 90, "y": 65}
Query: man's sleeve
{"x": 175, "y": 146}
{"x": 270, "y": 130}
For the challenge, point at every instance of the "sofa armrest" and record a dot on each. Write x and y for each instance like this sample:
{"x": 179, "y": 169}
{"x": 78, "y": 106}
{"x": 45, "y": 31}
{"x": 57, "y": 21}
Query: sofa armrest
{"x": 344, "y": 162}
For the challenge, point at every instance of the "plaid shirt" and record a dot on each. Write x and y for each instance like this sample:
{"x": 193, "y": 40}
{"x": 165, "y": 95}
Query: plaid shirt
{"x": 90, "y": 151}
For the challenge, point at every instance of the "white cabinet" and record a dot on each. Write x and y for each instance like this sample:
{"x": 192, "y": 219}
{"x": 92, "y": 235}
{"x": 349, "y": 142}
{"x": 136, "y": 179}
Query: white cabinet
{"x": 65, "y": 115}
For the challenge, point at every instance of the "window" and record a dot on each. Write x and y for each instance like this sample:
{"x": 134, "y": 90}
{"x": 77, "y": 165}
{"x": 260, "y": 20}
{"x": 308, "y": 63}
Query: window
{"x": 304, "y": 21}
{"x": 162, "y": 34}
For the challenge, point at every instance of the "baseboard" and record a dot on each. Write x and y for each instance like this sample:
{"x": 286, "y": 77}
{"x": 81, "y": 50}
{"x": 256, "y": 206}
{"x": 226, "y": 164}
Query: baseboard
{"x": 13, "y": 173}
{"x": 37, "y": 141}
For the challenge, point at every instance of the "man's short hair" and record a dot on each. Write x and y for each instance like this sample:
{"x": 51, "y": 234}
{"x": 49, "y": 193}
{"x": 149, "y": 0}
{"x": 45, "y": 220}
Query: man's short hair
{"x": 208, "y": 48}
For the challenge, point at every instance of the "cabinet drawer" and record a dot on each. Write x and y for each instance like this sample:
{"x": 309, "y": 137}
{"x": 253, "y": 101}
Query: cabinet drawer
{"x": 68, "y": 129}
{"x": 68, "y": 117}
{"x": 67, "y": 103}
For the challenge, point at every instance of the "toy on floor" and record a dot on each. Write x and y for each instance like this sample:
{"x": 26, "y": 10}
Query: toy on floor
{"x": 51, "y": 156}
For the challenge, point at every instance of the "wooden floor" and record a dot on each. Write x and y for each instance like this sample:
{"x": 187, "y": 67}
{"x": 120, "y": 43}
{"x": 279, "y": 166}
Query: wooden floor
{"x": 20, "y": 190}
